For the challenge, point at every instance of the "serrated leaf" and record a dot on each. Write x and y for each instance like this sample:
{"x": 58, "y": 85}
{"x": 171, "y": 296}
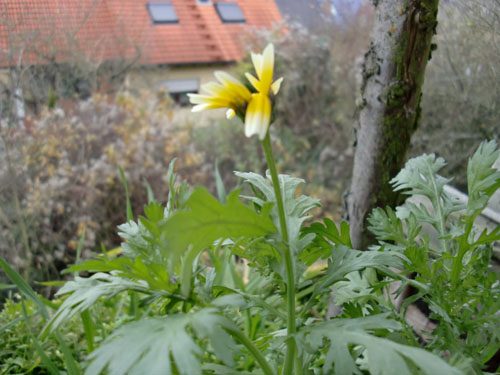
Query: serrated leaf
{"x": 356, "y": 288}
{"x": 85, "y": 292}
{"x": 139, "y": 241}
{"x": 328, "y": 230}
{"x": 482, "y": 178}
{"x": 147, "y": 346}
{"x": 386, "y": 226}
{"x": 188, "y": 233}
{"x": 208, "y": 220}
{"x": 154, "y": 274}
{"x": 381, "y": 356}
{"x": 295, "y": 208}
{"x": 326, "y": 234}
{"x": 419, "y": 176}
{"x": 345, "y": 261}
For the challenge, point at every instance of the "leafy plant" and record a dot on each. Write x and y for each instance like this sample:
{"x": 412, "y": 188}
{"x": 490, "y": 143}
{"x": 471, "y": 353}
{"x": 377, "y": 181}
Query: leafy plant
{"x": 452, "y": 273}
{"x": 230, "y": 286}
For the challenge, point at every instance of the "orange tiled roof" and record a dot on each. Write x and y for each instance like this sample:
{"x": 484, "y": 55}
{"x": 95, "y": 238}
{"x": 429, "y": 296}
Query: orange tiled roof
{"x": 42, "y": 31}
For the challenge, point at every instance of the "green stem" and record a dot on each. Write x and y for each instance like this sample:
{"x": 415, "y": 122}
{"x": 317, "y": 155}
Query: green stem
{"x": 243, "y": 339}
{"x": 290, "y": 285}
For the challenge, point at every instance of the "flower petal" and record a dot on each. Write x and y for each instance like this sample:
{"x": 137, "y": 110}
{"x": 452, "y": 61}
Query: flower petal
{"x": 233, "y": 86}
{"x": 257, "y": 63}
{"x": 267, "y": 69}
{"x": 199, "y": 99}
{"x": 213, "y": 88}
{"x": 227, "y": 79}
{"x": 275, "y": 87}
{"x": 258, "y": 116}
{"x": 254, "y": 81}
{"x": 230, "y": 113}
{"x": 200, "y": 107}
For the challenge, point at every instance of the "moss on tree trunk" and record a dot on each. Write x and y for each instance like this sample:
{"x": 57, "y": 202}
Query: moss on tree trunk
{"x": 393, "y": 75}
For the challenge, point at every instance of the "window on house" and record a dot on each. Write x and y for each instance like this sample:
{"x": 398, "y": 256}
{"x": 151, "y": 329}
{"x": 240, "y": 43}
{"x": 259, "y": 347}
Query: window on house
{"x": 229, "y": 12}
{"x": 179, "y": 88}
{"x": 162, "y": 12}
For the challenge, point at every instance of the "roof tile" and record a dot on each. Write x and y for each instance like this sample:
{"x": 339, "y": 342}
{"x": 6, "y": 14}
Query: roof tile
{"x": 44, "y": 31}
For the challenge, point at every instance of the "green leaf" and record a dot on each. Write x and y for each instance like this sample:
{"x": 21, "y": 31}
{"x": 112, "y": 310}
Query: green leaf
{"x": 130, "y": 215}
{"x": 6, "y": 286}
{"x": 238, "y": 298}
{"x": 154, "y": 274}
{"x": 419, "y": 176}
{"x": 330, "y": 234}
{"x": 144, "y": 239}
{"x": 386, "y": 226}
{"x": 188, "y": 233}
{"x": 345, "y": 261}
{"x": 357, "y": 289}
{"x": 88, "y": 329}
{"x": 482, "y": 178}
{"x": 209, "y": 220}
{"x": 85, "y": 292}
{"x": 296, "y": 209}
{"x": 23, "y": 287}
{"x": 212, "y": 368}
{"x": 149, "y": 192}
{"x": 380, "y": 356}
{"x": 147, "y": 346}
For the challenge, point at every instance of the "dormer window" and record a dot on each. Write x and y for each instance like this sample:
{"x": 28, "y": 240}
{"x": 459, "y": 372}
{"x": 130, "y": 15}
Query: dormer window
{"x": 229, "y": 12}
{"x": 162, "y": 12}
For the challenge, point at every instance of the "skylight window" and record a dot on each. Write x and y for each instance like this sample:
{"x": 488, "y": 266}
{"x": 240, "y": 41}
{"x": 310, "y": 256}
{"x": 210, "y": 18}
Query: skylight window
{"x": 229, "y": 12}
{"x": 162, "y": 12}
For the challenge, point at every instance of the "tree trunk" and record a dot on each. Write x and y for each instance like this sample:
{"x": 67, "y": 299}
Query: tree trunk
{"x": 393, "y": 73}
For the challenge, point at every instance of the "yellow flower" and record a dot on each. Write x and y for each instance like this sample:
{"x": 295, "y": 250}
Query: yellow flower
{"x": 264, "y": 66}
{"x": 258, "y": 115}
{"x": 229, "y": 93}
{"x": 232, "y": 94}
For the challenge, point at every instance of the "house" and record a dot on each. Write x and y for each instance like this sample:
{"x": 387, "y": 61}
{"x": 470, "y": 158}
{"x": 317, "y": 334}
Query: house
{"x": 177, "y": 44}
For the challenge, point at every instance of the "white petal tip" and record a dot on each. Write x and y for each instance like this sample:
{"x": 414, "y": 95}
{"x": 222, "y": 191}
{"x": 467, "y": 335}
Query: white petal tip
{"x": 230, "y": 113}
{"x": 275, "y": 87}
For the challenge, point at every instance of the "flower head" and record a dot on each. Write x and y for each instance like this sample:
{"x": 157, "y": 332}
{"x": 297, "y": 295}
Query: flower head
{"x": 227, "y": 93}
{"x": 232, "y": 94}
{"x": 258, "y": 116}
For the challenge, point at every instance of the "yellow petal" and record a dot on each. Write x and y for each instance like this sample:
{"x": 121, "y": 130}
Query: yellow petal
{"x": 212, "y": 88}
{"x": 214, "y": 101}
{"x": 233, "y": 85}
{"x": 230, "y": 113}
{"x": 200, "y": 107}
{"x": 257, "y": 63}
{"x": 267, "y": 69}
{"x": 254, "y": 81}
{"x": 226, "y": 79}
{"x": 258, "y": 116}
{"x": 199, "y": 99}
{"x": 275, "y": 87}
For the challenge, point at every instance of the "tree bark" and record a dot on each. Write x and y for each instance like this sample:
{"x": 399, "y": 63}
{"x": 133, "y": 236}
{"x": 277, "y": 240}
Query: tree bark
{"x": 389, "y": 108}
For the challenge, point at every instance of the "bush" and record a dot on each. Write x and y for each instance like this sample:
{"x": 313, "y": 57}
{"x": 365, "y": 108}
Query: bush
{"x": 59, "y": 176}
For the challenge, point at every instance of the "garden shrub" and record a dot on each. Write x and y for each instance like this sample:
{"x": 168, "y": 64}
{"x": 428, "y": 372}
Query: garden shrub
{"x": 62, "y": 169}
